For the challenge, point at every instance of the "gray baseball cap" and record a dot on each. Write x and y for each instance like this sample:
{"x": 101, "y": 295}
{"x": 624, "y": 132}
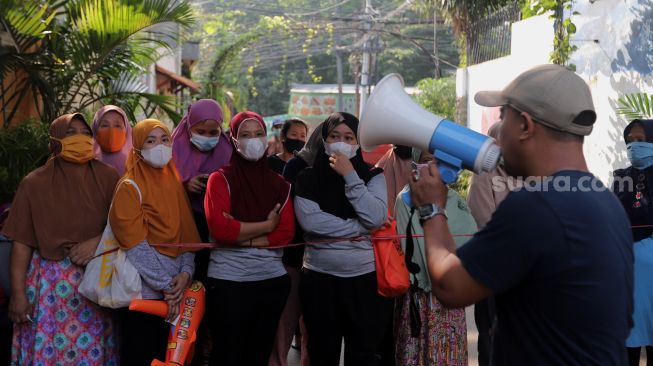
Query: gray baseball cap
{"x": 552, "y": 94}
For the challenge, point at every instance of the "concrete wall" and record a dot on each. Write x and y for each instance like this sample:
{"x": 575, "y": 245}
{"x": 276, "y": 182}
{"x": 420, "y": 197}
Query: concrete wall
{"x": 620, "y": 61}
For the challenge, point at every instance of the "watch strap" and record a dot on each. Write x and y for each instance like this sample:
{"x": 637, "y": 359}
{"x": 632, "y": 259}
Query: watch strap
{"x": 435, "y": 210}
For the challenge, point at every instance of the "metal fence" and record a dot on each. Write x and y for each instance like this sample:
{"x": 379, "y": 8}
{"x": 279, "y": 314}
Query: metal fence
{"x": 489, "y": 38}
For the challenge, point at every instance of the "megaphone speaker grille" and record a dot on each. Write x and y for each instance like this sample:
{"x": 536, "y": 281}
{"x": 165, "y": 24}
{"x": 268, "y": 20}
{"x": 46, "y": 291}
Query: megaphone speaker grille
{"x": 491, "y": 158}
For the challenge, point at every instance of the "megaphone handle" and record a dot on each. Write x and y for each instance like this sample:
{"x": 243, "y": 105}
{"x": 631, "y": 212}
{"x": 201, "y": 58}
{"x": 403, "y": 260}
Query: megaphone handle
{"x": 448, "y": 173}
{"x": 448, "y": 165}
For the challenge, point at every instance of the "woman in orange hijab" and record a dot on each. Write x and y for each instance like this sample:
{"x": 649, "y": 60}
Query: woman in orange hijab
{"x": 55, "y": 222}
{"x": 150, "y": 206}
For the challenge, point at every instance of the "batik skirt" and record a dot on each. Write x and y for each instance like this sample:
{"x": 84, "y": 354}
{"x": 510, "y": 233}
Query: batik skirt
{"x": 441, "y": 339}
{"x": 66, "y": 328}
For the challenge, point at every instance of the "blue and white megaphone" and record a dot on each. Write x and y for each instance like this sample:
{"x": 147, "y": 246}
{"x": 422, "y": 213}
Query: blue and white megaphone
{"x": 390, "y": 116}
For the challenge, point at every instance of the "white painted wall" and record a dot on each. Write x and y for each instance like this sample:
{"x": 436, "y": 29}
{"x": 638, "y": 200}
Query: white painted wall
{"x": 531, "y": 45}
{"x": 169, "y": 59}
{"x": 621, "y": 62}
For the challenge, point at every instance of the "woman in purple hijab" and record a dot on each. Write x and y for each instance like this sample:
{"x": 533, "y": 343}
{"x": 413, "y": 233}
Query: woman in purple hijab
{"x": 199, "y": 148}
{"x": 113, "y": 136}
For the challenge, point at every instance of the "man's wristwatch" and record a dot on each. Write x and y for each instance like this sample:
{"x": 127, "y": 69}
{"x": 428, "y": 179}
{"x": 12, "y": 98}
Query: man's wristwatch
{"x": 431, "y": 210}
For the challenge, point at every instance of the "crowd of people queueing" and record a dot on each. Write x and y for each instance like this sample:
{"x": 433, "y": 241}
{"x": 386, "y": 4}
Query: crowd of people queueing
{"x": 551, "y": 273}
{"x": 202, "y": 184}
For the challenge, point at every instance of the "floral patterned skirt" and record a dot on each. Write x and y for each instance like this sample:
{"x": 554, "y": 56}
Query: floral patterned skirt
{"x": 67, "y": 329}
{"x": 442, "y": 337}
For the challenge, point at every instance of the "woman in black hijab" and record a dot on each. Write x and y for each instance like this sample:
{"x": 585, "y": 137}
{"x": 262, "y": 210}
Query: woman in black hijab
{"x": 339, "y": 198}
{"x": 634, "y": 187}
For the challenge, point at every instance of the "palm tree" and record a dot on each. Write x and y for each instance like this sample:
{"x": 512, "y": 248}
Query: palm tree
{"x": 460, "y": 13}
{"x": 70, "y": 54}
{"x": 635, "y": 106}
{"x": 230, "y": 99}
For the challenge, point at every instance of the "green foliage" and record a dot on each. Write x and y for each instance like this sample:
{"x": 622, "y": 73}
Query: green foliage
{"x": 460, "y": 13}
{"x": 564, "y": 28}
{"x": 413, "y": 61}
{"x": 129, "y": 92}
{"x": 272, "y": 52}
{"x": 92, "y": 53}
{"x": 438, "y": 96}
{"x": 462, "y": 184}
{"x": 217, "y": 84}
{"x": 221, "y": 71}
{"x": 528, "y": 10}
{"x": 23, "y": 148}
{"x": 636, "y": 106}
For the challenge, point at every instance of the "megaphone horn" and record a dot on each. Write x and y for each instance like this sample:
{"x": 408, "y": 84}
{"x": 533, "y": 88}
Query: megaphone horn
{"x": 390, "y": 116}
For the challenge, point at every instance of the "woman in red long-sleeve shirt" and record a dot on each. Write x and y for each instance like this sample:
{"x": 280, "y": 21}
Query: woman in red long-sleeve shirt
{"x": 250, "y": 216}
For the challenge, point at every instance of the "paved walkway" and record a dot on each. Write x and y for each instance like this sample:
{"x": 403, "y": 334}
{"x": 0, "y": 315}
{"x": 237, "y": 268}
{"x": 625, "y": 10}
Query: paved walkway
{"x": 472, "y": 335}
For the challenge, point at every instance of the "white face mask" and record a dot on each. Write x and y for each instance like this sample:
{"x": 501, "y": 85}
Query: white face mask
{"x": 157, "y": 156}
{"x": 341, "y": 147}
{"x": 204, "y": 143}
{"x": 251, "y": 149}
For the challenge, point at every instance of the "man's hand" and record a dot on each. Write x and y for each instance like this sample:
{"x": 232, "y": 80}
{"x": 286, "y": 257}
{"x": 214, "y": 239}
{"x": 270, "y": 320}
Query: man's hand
{"x": 341, "y": 164}
{"x": 83, "y": 252}
{"x": 426, "y": 187}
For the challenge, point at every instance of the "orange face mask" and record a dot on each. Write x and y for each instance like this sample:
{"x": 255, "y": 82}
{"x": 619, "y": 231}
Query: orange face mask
{"x": 76, "y": 149}
{"x": 112, "y": 139}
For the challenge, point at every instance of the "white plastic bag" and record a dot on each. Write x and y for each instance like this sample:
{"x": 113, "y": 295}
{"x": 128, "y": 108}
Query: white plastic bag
{"x": 110, "y": 280}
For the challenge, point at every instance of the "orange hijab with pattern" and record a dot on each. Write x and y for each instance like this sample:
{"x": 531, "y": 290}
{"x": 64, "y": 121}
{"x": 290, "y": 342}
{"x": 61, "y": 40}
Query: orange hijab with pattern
{"x": 164, "y": 215}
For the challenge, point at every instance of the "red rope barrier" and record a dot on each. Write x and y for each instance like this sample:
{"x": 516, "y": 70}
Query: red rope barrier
{"x": 312, "y": 242}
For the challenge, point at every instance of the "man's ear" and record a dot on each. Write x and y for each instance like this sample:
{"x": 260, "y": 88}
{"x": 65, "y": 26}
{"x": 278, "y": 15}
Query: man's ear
{"x": 527, "y": 126}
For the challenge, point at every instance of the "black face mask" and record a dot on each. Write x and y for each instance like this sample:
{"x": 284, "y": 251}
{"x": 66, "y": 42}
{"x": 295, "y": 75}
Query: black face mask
{"x": 403, "y": 152}
{"x": 292, "y": 145}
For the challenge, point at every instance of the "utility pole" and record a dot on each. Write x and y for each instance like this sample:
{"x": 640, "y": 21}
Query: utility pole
{"x": 365, "y": 71}
{"x": 340, "y": 104}
{"x": 357, "y": 102}
{"x": 436, "y": 59}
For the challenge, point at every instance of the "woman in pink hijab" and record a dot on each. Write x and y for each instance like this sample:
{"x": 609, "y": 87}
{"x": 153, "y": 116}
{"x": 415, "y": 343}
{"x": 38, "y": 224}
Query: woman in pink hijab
{"x": 113, "y": 136}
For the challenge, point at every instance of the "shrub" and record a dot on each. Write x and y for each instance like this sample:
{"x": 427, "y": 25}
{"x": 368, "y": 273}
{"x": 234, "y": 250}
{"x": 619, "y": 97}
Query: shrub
{"x": 438, "y": 96}
{"x": 23, "y": 148}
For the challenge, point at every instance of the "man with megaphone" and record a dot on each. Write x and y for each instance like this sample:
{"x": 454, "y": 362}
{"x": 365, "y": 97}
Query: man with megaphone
{"x": 557, "y": 254}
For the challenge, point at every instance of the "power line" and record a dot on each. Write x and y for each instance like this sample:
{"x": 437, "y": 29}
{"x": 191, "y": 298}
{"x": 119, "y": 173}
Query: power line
{"x": 323, "y": 9}
{"x": 280, "y": 48}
